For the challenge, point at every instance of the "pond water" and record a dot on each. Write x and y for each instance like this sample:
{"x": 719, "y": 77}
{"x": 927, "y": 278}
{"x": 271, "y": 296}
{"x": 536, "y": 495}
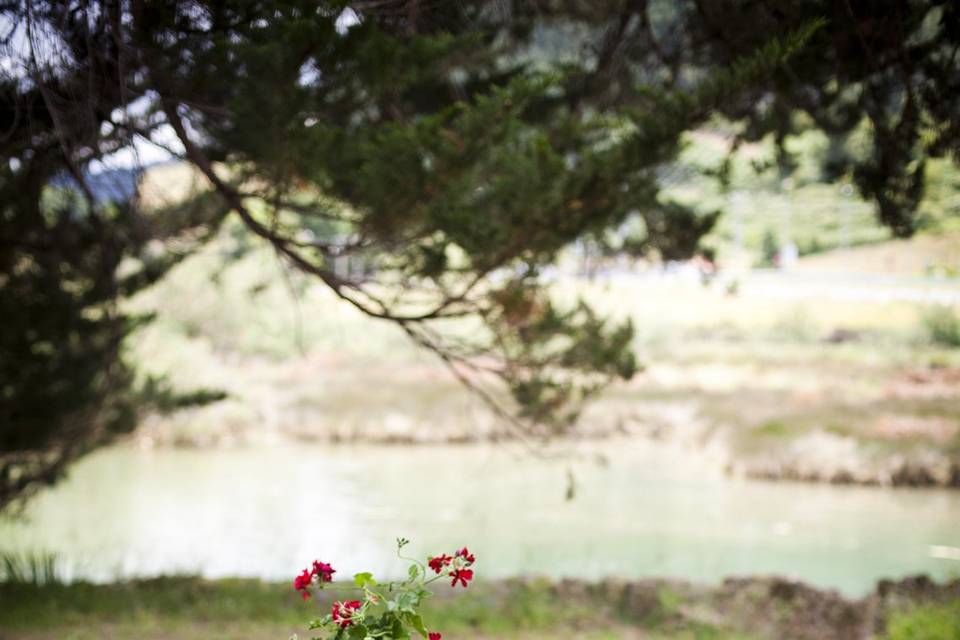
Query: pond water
{"x": 649, "y": 511}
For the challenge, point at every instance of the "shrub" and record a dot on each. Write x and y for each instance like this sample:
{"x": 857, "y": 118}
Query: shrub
{"x": 942, "y": 326}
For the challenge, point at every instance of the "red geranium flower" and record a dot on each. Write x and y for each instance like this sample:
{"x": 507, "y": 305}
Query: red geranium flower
{"x": 439, "y": 562}
{"x": 461, "y": 575}
{"x": 343, "y": 612}
{"x": 466, "y": 555}
{"x": 302, "y": 583}
{"x": 324, "y": 570}
{"x": 433, "y": 636}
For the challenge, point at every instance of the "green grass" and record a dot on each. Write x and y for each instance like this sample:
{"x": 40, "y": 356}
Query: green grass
{"x": 33, "y": 568}
{"x": 188, "y": 608}
{"x": 926, "y": 622}
{"x": 165, "y": 607}
{"x": 773, "y": 429}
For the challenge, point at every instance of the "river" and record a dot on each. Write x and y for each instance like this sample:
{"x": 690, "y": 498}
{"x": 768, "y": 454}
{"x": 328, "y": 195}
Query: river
{"x": 649, "y": 510}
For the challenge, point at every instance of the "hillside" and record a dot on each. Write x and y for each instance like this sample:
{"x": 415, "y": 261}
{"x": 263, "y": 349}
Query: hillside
{"x": 925, "y": 255}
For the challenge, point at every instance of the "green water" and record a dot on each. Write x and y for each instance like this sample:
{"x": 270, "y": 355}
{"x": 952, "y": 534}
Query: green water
{"x": 649, "y": 511}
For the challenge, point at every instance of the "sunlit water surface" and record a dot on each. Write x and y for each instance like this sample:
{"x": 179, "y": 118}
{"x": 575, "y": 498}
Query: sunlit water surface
{"x": 649, "y": 511}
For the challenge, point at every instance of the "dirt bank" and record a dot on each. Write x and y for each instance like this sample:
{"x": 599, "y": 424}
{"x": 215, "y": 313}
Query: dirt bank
{"x": 766, "y": 607}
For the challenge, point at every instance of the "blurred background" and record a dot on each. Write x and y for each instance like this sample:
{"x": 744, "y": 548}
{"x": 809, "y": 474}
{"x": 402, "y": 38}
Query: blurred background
{"x": 797, "y": 415}
{"x": 653, "y": 306}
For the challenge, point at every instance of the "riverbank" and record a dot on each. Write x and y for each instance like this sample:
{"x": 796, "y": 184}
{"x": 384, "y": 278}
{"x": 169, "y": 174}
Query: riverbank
{"x": 811, "y": 414}
{"x": 837, "y": 378}
{"x": 807, "y": 412}
{"x": 187, "y": 608}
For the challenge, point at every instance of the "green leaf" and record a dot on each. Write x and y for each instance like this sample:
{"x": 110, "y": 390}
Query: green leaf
{"x": 406, "y": 601}
{"x": 364, "y": 579}
{"x": 423, "y": 594}
{"x": 399, "y": 632}
{"x": 358, "y": 632}
{"x": 416, "y": 622}
{"x": 413, "y": 572}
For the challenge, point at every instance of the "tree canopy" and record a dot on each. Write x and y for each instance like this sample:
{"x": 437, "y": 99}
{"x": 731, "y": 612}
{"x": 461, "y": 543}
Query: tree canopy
{"x": 456, "y": 147}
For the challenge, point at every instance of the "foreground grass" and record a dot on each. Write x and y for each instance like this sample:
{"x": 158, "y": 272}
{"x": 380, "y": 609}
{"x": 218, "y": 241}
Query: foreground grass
{"x": 927, "y": 622}
{"x": 187, "y": 608}
{"x": 190, "y": 608}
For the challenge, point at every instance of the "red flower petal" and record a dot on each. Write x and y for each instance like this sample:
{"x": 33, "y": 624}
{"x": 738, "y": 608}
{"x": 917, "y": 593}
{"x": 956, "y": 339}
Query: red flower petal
{"x": 463, "y": 576}
{"x": 437, "y": 563}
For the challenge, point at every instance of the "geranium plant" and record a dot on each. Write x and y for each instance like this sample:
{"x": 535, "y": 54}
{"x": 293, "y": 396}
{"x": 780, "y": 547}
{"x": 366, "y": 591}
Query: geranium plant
{"x": 383, "y": 611}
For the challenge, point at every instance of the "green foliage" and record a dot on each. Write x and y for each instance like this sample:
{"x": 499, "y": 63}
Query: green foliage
{"x": 389, "y": 610}
{"x": 66, "y": 387}
{"x": 769, "y": 249}
{"x": 925, "y": 622}
{"x": 942, "y": 326}
{"x": 774, "y": 429}
{"x": 59, "y": 349}
{"x": 557, "y": 359}
{"x": 842, "y": 78}
{"x": 35, "y": 569}
{"x": 155, "y": 393}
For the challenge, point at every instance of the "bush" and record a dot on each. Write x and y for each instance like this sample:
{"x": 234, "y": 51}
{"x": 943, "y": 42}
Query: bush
{"x": 942, "y": 326}
{"x": 769, "y": 249}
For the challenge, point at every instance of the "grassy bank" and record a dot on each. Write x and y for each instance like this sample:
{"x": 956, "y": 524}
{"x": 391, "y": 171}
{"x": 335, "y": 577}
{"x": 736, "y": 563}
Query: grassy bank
{"x": 191, "y": 608}
{"x": 846, "y": 383}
